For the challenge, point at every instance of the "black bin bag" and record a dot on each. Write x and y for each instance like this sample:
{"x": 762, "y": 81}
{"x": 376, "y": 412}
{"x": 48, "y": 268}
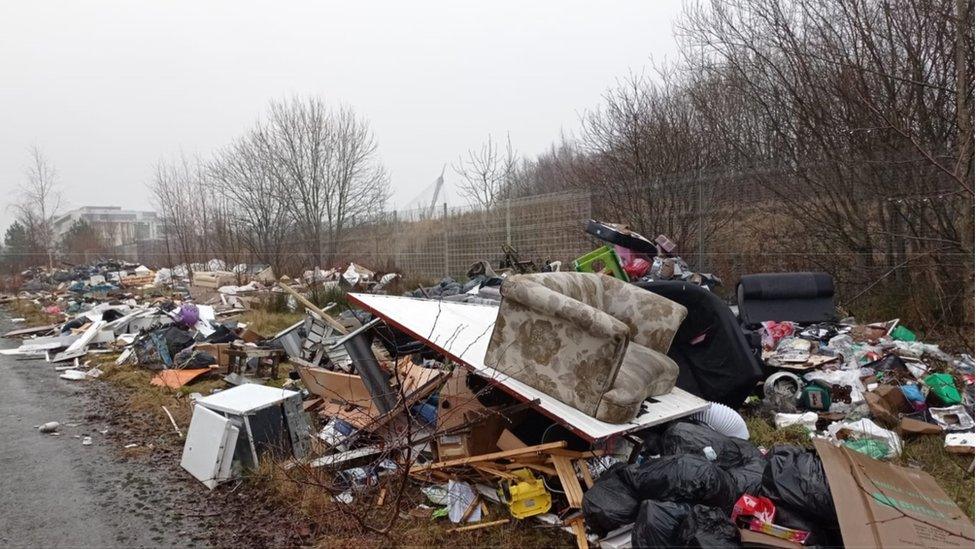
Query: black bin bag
{"x": 658, "y": 523}
{"x": 610, "y": 503}
{"x": 685, "y": 437}
{"x": 794, "y": 477}
{"x": 685, "y": 478}
{"x": 669, "y": 524}
{"x": 708, "y": 527}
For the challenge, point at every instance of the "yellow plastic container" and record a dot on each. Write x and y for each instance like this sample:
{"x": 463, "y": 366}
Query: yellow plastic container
{"x": 527, "y": 496}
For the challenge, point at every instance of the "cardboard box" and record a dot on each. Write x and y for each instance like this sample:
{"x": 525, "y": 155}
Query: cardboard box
{"x": 883, "y": 505}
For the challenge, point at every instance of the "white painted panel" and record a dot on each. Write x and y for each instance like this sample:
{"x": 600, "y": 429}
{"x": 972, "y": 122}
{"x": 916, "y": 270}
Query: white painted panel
{"x": 210, "y": 441}
{"x": 462, "y": 331}
{"x": 246, "y": 398}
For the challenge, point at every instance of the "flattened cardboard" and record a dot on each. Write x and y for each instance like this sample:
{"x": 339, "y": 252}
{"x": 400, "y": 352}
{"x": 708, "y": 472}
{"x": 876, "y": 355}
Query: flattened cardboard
{"x": 174, "y": 379}
{"x": 883, "y": 505}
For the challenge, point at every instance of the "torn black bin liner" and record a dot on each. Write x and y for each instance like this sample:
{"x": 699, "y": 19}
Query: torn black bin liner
{"x": 708, "y": 527}
{"x": 658, "y": 523}
{"x": 686, "y": 478}
{"x": 668, "y": 524}
{"x": 610, "y": 503}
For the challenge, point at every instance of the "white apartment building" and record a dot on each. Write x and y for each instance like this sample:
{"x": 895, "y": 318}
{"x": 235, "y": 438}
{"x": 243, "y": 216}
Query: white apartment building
{"x": 117, "y": 226}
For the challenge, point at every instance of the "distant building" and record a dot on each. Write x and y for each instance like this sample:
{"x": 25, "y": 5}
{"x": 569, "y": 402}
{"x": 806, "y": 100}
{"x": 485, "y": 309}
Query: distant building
{"x": 117, "y": 226}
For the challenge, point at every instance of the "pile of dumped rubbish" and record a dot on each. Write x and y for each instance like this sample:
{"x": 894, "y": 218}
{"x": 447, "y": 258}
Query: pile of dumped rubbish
{"x": 603, "y": 400}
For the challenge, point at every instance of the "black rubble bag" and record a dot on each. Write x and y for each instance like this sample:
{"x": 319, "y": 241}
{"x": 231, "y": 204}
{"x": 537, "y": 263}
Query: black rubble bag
{"x": 708, "y": 527}
{"x": 748, "y": 478}
{"x": 686, "y": 479}
{"x": 610, "y": 503}
{"x": 794, "y": 477}
{"x": 683, "y": 437}
{"x": 658, "y": 523}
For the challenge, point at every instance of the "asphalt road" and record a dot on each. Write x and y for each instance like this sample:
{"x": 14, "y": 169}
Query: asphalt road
{"x": 56, "y": 492}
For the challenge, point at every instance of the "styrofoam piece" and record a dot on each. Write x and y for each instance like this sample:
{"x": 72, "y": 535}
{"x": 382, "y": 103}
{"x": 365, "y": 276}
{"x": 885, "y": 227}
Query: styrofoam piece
{"x": 462, "y": 330}
{"x": 208, "y": 452}
{"x": 725, "y": 420}
{"x": 246, "y": 398}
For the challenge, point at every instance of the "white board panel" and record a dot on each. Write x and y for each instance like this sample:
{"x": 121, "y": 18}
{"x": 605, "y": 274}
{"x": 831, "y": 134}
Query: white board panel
{"x": 246, "y": 398}
{"x": 210, "y": 442}
{"x": 462, "y": 331}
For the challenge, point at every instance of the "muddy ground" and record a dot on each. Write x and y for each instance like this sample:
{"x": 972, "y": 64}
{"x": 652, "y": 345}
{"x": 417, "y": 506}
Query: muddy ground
{"x": 58, "y": 492}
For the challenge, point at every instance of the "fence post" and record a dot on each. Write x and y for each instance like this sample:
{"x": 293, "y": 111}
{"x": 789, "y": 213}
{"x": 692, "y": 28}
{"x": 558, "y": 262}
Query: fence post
{"x": 508, "y": 221}
{"x": 396, "y": 241}
{"x": 447, "y": 264}
{"x": 701, "y": 225}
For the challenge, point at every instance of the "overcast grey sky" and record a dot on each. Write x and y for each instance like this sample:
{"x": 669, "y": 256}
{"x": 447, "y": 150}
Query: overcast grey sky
{"x": 108, "y": 88}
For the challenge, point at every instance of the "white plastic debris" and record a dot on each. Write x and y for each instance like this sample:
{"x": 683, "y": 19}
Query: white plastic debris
{"x": 865, "y": 428}
{"x": 436, "y": 493}
{"x": 87, "y": 441}
{"x": 952, "y": 418}
{"x": 49, "y": 427}
{"x": 960, "y": 442}
{"x": 808, "y": 420}
{"x": 724, "y": 420}
{"x": 72, "y": 375}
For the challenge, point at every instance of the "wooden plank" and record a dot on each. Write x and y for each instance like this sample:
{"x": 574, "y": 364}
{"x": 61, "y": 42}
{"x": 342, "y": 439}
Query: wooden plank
{"x": 29, "y": 331}
{"x": 567, "y": 477}
{"x": 494, "y": 471}
{"x": 534, "y": 466}
{"x": 580, "y": 530}
{"x": 478, "y": 526}
{"x": 584, "y": 468}
{"x": 489, "y": 457}
{"x": 311, "y": 306}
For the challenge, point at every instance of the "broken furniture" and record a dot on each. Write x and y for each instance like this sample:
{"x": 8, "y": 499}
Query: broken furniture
{"x": 461, "y": 332}
{"x": 588, "y": 340}
{"x": 238, "y": 358}
{"x": 714, "y": 359}
{"x": 231, "y": 429}
{"x": 347, "y": 397}
{"x": 798, "y": 297}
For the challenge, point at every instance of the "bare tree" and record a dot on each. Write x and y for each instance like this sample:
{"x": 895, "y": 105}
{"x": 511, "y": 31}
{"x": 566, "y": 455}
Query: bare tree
{"x": 243, "y": 174}
{"x": 325, "y": 165}
{"x": 178, "y": 191}
{"x": 39, "y": 202}
{"x": 487, "y": 173}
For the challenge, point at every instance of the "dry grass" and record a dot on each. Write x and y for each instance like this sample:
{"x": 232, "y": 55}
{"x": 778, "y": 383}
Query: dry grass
{"x": 268, "y": 323}
{"x": 295, "y": 492}
{"x": 32, "y": 314}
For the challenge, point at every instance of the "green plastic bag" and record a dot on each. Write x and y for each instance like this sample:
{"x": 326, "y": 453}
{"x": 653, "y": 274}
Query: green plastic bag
{"x": 901, "y": 333}
{"x": 944, "y": 388}
{"x": 871, "y": 447}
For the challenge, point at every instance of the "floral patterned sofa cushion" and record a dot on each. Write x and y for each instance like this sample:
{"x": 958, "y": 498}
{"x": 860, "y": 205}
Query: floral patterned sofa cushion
{"x": 588, "y": 340}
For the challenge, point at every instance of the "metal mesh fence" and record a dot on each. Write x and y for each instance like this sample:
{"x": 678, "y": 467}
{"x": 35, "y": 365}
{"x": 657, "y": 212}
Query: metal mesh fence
{"x": 447, "y": 241}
